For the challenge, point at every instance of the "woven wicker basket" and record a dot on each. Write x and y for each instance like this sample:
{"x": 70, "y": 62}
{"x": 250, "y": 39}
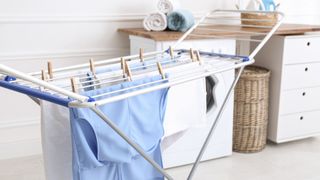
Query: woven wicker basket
{"x": 259, "y": 19}
{"x": 251, "y": 110}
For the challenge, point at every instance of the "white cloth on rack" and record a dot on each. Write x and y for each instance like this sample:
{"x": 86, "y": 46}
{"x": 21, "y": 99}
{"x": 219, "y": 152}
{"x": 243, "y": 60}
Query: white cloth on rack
{"x": 56, "y": 141}
{"x": 56, "y": 136}
{"x": 167, "y": 6}
{"x": 186, "y": 106}
{"x": 155, "y": 22}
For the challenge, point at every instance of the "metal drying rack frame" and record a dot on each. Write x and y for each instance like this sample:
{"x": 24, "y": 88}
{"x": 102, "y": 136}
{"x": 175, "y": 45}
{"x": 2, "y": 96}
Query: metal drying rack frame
{"x": 217, "y": 24}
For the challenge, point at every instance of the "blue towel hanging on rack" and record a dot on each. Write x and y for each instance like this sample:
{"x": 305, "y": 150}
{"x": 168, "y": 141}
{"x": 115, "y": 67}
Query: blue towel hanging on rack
{"x": 101, "y": 154}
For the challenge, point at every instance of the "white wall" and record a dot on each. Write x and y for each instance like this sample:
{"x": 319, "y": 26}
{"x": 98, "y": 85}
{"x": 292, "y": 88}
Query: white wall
{"x": 305, "y": 12}
{"x": 72, "y": 31}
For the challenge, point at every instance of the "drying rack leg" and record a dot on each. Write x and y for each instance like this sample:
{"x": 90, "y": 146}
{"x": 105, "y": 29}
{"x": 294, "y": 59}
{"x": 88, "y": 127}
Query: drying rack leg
{"x": 133, "y": 144}
{"x": 36, "y": 100}
{"x": 214, "y": 125}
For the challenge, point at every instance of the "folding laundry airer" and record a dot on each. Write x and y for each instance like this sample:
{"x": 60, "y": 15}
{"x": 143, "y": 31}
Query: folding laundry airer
{"x": 217, "y": 24}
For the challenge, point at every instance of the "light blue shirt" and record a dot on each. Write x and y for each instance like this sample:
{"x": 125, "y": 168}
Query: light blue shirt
{"x": 101, "y": 154}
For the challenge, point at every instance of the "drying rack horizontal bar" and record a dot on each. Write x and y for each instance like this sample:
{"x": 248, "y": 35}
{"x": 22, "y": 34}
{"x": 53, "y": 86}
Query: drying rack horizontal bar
{"x": 53, "y": 96}
{"x": 101, "y": 62}
{"x": 35, "y": 93}
{"x": 85, "y": 78}
{"x": 168, "y": 84}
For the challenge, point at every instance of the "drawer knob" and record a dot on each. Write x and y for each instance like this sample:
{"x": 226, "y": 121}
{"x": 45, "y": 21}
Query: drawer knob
{"x": 301, "y": 118}
{"x": 306, "y": 69}
{"x": 304, "y": 93}
{"x": 308, "y": 44}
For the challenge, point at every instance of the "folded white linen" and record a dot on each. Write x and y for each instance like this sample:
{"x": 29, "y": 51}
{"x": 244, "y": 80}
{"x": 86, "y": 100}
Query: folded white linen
{"x": 156, "y": 21}
{"x": 167, "y": 6}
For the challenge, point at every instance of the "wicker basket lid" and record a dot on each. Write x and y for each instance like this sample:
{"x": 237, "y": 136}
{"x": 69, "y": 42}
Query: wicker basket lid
{"x": 255, "y": 71}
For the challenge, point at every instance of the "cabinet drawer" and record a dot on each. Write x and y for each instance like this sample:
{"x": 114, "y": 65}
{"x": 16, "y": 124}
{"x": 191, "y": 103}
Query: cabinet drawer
{"x": 301, "y": 76}
{"x": 300, "y": 124}
{"x": 301, "y": 49}
{"x": 300, "y": 100}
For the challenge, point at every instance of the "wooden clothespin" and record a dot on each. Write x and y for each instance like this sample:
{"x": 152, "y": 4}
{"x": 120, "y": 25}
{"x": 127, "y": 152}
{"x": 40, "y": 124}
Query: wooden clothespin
{"x": 192, "y": 55}
{"x": 198, "y": 57}
{"x": 171, "y": 52}
{"x": 93, "y": 71}
{"x": 141, "y": 54}
{"x": 74, "y": 85}
{"x": 44, "y": 76}
{"x": 128, "y": 71}
{"x": 161, "y": 70}
{"x": 123, "y": 67}
{"x": 50, "y": 71}
{"x": 92, "y": 67}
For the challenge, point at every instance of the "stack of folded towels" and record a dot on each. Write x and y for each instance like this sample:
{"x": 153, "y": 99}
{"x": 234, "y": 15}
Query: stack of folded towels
{"x": 169, "y": 16}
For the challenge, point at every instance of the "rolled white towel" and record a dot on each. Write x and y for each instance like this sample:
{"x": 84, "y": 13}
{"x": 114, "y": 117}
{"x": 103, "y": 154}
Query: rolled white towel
{"x": 167, "y": 6}
{"x": 155, "y": 22}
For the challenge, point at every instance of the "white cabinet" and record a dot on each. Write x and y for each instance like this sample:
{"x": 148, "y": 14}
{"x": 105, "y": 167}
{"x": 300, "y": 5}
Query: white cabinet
{"x": 294, "y": 62}
{"x": 185, "y": 150}
{"x": 301, "y": 75}
{"x": 298, "y": 125}
{"x": 301, "y": 49}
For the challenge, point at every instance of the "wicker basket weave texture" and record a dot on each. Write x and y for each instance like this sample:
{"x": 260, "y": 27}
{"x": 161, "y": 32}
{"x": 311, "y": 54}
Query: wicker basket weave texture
{"x": 248, "y": 114}
{"x": 250, "y": 139}
{"x": 251, "y": 110}
{"x": 259, "y": 19}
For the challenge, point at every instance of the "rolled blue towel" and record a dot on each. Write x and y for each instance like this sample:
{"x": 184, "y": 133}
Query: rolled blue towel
{"x": 180, "y": 20}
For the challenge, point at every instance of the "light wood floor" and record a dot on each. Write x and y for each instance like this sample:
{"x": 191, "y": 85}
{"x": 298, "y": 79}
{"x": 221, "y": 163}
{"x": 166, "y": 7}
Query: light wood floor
{"x": 298, "y": 160}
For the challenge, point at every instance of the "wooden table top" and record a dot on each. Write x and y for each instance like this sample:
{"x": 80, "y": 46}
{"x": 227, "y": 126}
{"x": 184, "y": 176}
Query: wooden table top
{"x": 285, "y": 29}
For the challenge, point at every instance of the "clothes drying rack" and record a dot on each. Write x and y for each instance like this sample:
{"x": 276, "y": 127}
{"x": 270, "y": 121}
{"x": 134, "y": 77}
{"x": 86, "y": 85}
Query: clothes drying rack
{"x": 217, "y": 24}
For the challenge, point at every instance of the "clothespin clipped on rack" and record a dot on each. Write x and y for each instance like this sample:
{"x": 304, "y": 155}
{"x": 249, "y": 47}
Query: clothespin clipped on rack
{"x": 74, "y": 85}
{"x": 198, "y": 57}
{"x": 161, "y": 70}
{"x": 44, "y": 76}
{"x": 92, "y": 68}
{"x": 171, "y": 52}
{"x": 192, "y": 55}
{"x": 50, "y": 71}
{"x": 94, "y": 73}
{"x": 141, "y": 55}
{"x": 128, "y": 70}
{"x": 123, "y": 67}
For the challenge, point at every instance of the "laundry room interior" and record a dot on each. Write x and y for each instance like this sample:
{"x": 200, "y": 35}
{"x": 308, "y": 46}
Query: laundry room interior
{"x": 159, "y": 89}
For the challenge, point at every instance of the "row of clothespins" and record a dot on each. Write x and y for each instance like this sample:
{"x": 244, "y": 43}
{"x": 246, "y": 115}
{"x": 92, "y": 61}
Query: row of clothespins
{"x": 127, "y": 73}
